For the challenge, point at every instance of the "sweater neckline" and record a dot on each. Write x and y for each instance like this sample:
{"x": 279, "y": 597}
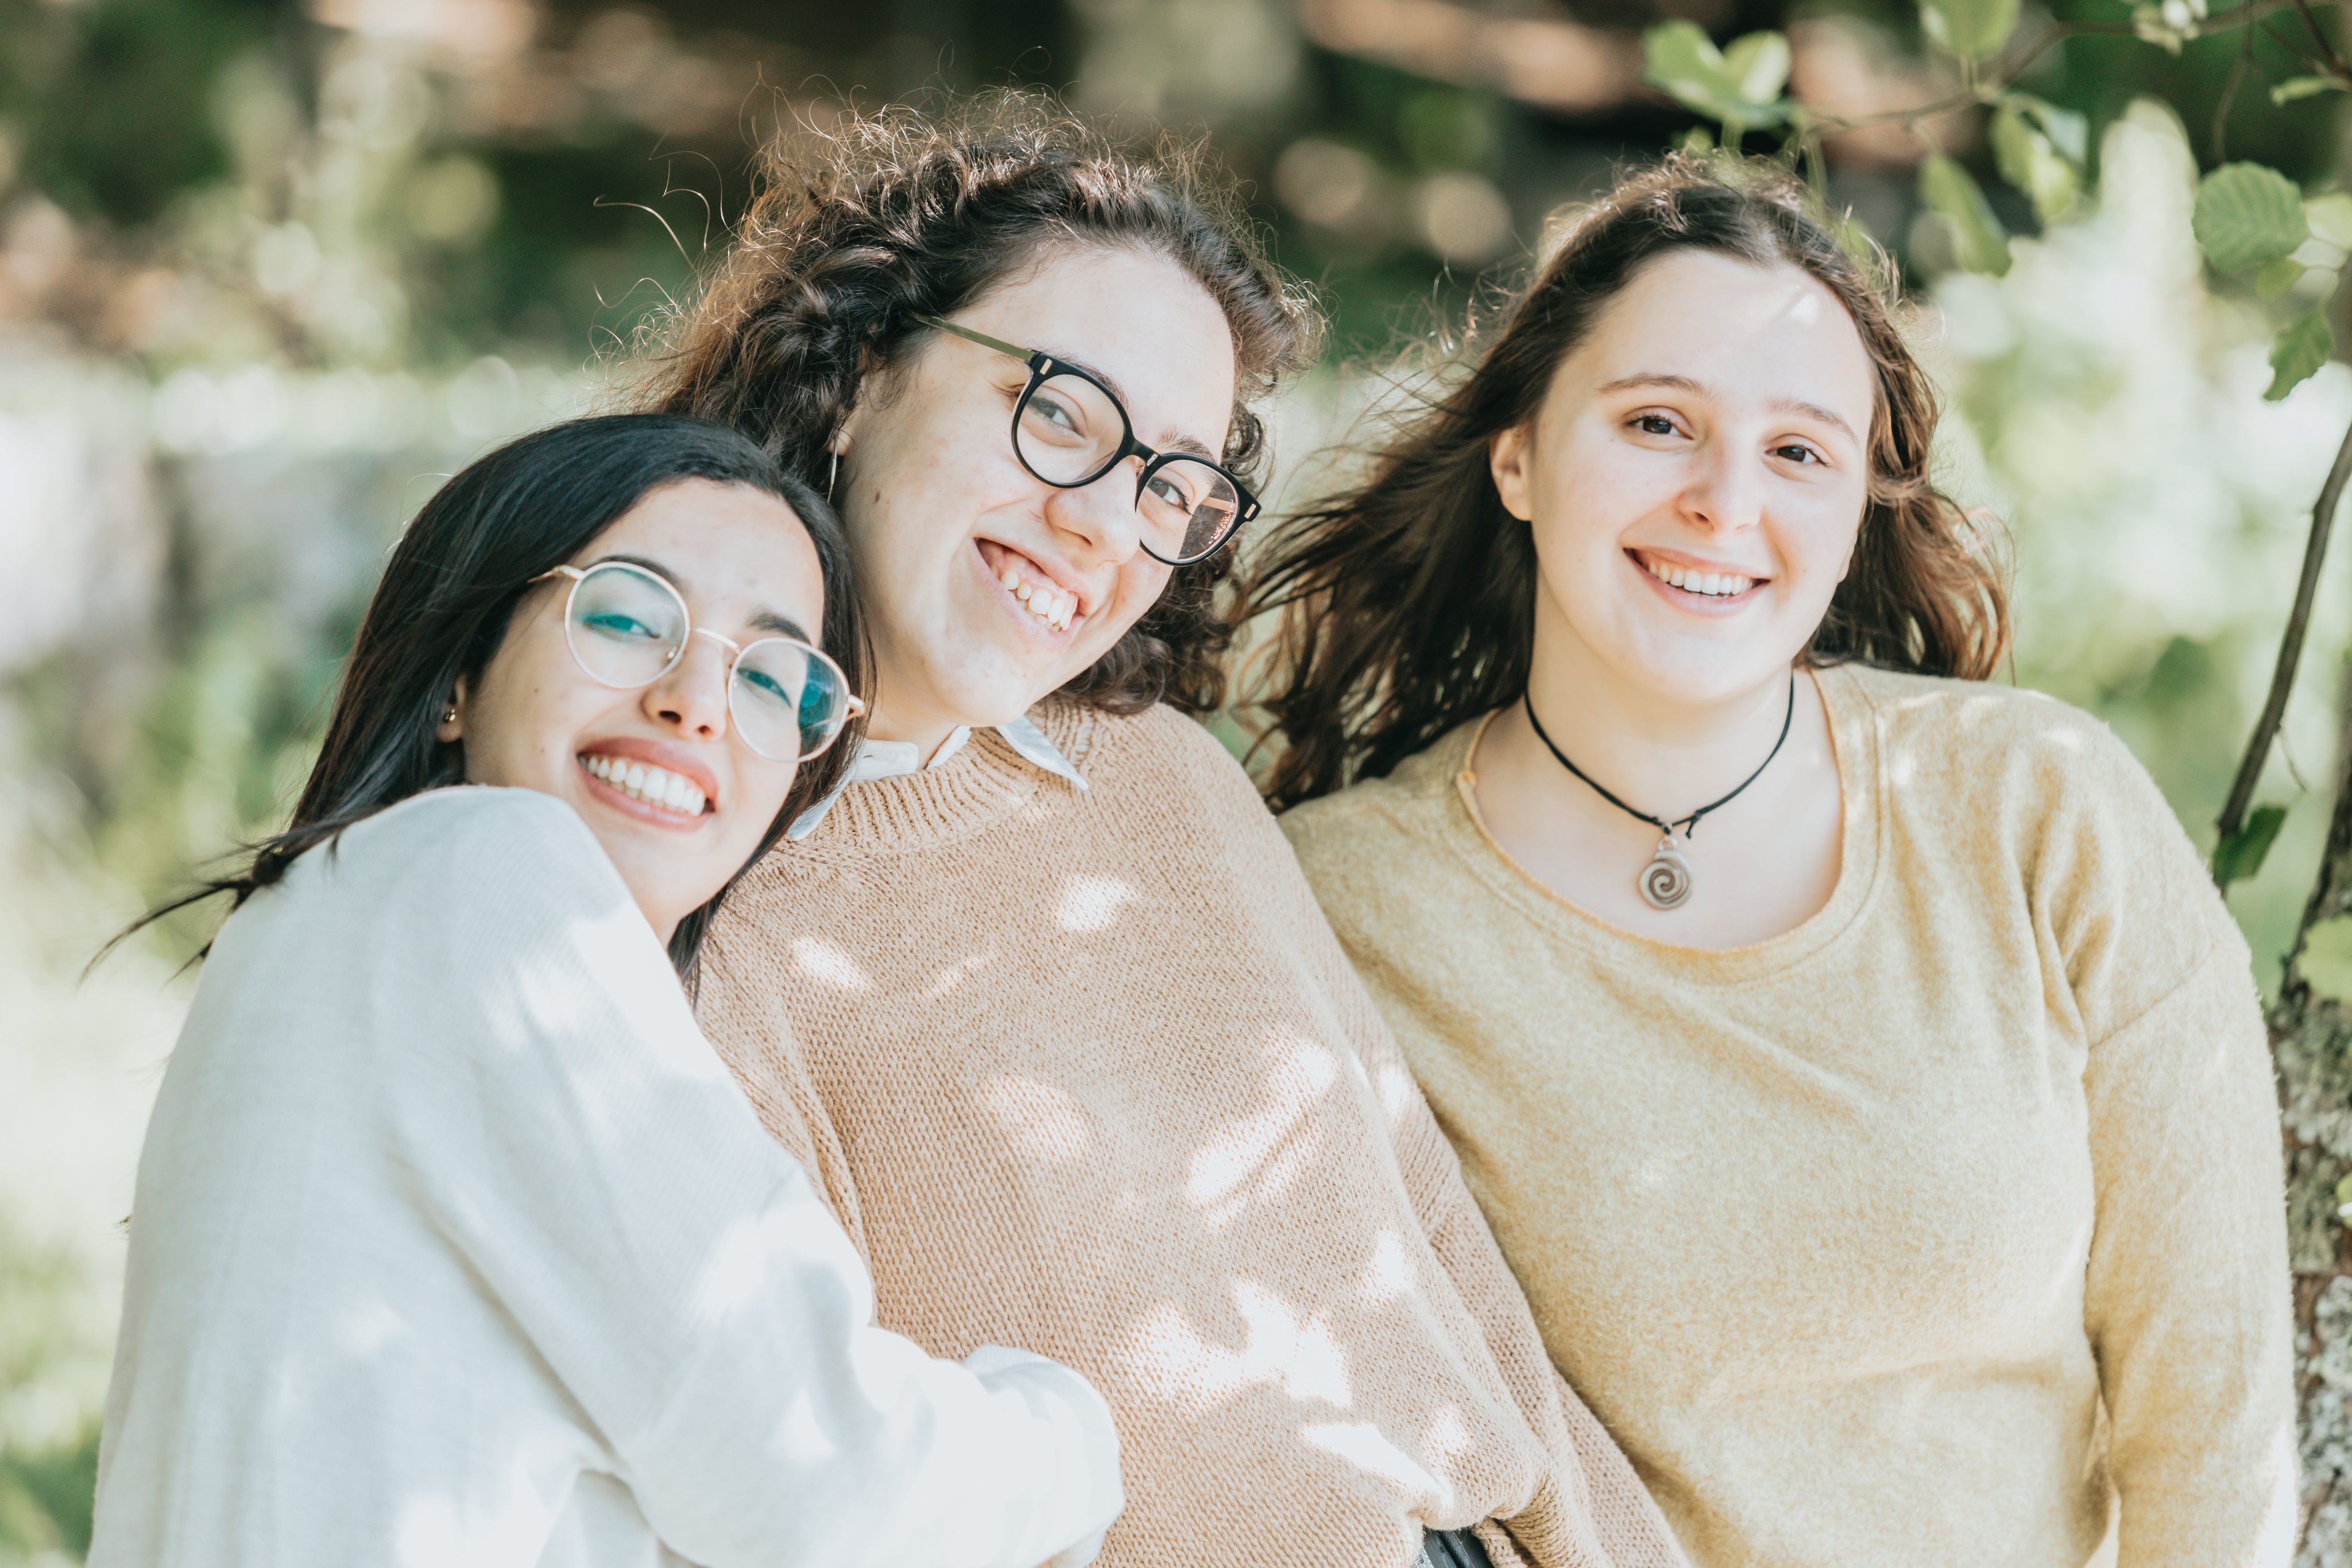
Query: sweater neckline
{"x": 1853, "y": 742}
{"x": 987, "y": 783}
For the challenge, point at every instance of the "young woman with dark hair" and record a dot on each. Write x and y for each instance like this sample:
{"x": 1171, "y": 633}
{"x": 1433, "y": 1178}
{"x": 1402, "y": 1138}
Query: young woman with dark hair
{"x": 1082, "y": 1066}
{"x": 454, "y": 1241}
{"x": 1897, "y": 1171}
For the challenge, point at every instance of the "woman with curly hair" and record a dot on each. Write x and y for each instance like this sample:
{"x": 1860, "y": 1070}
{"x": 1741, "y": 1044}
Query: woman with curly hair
{"x": 1897, "y": 1172}
{"x": 1081, "y": 1064}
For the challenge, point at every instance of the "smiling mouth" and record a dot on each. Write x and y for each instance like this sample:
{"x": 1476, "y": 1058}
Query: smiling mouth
{"x": 658, "y": 788}
{"x": 1052, "y": 606}
{"x": 1699, "y": 584}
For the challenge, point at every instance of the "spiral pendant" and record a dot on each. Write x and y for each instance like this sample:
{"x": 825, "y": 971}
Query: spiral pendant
{"x": 1665, "y": 882}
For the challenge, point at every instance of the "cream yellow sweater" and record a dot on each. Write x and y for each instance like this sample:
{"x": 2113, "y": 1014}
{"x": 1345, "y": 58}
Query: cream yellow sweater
{"x": 1911, "y": 1236}
{"x": 1085, "y": 1071}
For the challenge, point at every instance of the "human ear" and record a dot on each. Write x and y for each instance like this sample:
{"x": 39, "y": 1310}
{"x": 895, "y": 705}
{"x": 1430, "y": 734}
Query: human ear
{"x": 1506, "y": 460}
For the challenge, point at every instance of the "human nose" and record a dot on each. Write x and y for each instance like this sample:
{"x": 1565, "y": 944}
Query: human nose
{"x": 1726, "y": 491}
{"x": 692, "y": 695}
{"x": 1102, "y": 513}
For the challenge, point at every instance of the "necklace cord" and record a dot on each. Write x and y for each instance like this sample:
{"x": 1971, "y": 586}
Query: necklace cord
{"x": 1689, "y": 825}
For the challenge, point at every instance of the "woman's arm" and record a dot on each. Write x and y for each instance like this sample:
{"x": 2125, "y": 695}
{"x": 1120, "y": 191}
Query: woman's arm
{"x": 2187, "y": 1292}
{"x": 575, "y": 1137}
{"x": 2186, "y": 1297}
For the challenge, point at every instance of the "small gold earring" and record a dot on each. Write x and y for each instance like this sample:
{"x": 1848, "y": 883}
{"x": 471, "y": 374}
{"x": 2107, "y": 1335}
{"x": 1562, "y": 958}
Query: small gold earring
{"x": 450, "y": 717}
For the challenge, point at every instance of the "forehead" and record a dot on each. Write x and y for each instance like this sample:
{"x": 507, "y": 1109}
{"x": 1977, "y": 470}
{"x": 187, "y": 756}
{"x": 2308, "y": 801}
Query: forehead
{"x": 1135, "y": 317}
{"x": 735, "y": 550}
{"x": 1740, "y": 330}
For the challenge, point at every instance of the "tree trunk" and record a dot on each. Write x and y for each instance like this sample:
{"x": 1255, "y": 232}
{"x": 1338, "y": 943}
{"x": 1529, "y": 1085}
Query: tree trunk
{"x": 2311, "y": 1039}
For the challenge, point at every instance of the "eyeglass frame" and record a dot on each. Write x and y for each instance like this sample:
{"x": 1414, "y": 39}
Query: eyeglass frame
{"x": 578, "y": 574}
{"x": 1043, "y": 365}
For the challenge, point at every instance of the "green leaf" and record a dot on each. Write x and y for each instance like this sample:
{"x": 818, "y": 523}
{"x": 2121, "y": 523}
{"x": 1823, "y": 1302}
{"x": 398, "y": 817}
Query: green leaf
{"x": 1680, "y": 60}
{"x": 2248, "y": 215}
{"x": 2326, "y": 961}
{"x": 1968, "y": 29}
{"x": 2030, "y": 163}
{"x": 2240, "y": 855}
{"x": 1979, "y": 243}
{"x": 2294, "y": 87}
{"x": 1759, "y": 65}
{"x": 1699, "y": 138}
{"x": 2299, "y": 352}
{"x": 2278, "y": 276}
{"x": 2330, "y": 217}
{"x": 2068, "y": 132}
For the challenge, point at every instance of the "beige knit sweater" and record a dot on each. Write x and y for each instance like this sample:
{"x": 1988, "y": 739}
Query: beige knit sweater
{"x": 1858, "y": 1238}
{"x": 1085, "y": 1071}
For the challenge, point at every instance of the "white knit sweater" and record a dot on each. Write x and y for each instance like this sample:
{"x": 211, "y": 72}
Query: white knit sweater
{"x": 455, "y": 1244}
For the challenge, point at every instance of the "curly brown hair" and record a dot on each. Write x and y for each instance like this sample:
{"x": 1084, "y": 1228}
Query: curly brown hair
{"x": 1406, "y": 604}
{"x": 857, "y": 230}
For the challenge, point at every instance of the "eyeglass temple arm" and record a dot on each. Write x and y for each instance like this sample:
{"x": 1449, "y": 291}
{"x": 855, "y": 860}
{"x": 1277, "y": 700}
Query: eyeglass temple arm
{"x": 982, "y": 339}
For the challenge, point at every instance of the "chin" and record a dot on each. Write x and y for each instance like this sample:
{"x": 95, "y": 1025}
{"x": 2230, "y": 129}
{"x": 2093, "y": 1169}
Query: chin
{"x": 1004, "y": 693}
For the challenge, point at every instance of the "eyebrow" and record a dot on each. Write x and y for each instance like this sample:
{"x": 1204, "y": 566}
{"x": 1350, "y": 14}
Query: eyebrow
{"x": 1110, "y": 382}
{"x": 763, "y": 620}
{"x": 1684, "y": 384}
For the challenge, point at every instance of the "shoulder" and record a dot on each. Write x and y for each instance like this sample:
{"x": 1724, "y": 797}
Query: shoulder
{"x": 466, "y": 871}
{"x": 2003, "y": 749}
{"x": 1369, "y": 817}
{"x": 2020, "y": 782}
{"x": 1163, "y": 749}
{"x": 1933, "y": 708}
{"x": 466, "y": 832}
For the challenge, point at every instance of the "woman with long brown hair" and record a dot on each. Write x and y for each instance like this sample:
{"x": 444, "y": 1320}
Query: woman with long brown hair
{"x": 1082, "y": 1066}
{"x": 1856, "y": 1066}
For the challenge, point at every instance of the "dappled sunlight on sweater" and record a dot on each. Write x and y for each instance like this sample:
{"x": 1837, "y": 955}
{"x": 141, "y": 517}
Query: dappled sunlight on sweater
{"x": 1281, "y": 1347}
{"x": 1092, "y": 903}
{"x": 1271, "y": 1144}
{"x": 1044, "y": 1121}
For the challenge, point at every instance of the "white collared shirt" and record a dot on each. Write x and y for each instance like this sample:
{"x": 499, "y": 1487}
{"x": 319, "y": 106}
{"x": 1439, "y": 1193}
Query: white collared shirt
{"x": 895, "y": 758}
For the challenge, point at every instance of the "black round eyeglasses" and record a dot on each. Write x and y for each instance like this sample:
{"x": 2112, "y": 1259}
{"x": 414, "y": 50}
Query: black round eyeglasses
{"x": 1069, "y": 429}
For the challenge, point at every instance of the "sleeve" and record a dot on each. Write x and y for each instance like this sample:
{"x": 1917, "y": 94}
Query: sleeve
{"x": 572, "y": 1134}
{"x": 2186, "y": 1300}
{"x": 2187, "y": 1293}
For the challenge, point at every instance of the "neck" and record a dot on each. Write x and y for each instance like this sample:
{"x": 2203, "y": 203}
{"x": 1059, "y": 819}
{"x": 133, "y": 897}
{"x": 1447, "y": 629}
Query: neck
{"x": 1662, "y": 756}
{"x": 912, "y": 723}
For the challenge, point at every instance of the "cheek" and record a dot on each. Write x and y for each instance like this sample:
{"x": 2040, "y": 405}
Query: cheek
{"x": 1142, "y": 581}
{"x": 1818, "y": 543}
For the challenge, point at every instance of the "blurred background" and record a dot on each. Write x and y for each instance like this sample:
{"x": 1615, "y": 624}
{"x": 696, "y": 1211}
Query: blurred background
{"x": 269, "y": 269}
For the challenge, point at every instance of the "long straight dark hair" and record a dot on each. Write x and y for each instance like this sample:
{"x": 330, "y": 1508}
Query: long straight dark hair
{"x": 1406, "y": 604}
{"x": 451, "y": 588}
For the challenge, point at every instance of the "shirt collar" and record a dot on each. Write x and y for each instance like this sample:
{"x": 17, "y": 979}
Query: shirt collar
{"x": 895, "y": 758}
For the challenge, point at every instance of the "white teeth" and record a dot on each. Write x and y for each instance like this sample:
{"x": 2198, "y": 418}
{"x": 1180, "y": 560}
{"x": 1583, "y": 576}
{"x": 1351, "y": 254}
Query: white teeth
{"x": 1054, "y": 606}
{"x": 654, "y": 785}
{"x": 1713, "y": 584}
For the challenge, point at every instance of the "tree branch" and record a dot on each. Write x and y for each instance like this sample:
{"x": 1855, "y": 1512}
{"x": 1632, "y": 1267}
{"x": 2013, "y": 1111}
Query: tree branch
{"x": 1994, "y": 83}
{"x": 2326, "y": 44}
{"x": 2238, "y": 70}
{"x": 2290, "y": 654}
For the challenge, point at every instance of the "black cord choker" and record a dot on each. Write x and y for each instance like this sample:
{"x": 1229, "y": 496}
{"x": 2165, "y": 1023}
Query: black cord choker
{"x": 1665, "y": 882}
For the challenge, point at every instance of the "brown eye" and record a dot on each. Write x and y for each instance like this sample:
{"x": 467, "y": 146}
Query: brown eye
{"x": 1795, "y": 454}
{"x": 1653, "y": 424}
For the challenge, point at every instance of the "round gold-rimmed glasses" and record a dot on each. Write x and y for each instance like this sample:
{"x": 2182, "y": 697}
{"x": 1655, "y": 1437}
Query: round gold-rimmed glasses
{"x": 628, "y": 627}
